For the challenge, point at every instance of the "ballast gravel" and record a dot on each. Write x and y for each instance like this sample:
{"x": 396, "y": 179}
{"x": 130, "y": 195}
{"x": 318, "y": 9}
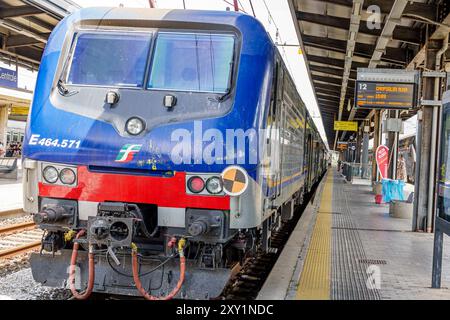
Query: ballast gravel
{"x": 20, "y": 285}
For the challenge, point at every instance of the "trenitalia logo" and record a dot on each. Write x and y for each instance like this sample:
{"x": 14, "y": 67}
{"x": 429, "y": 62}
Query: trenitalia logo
{"x": 127, "y": 152}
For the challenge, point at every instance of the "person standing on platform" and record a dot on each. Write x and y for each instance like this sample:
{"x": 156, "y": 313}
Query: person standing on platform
{"x": 401, "y": 168}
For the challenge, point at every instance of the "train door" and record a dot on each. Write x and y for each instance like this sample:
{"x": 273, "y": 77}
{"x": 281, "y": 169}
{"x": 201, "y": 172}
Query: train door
{"x": 312, "y": 165}
{"x": 279, "y": 120}
{"x": 308, "y": 155}
{"x": 272, "y": 158}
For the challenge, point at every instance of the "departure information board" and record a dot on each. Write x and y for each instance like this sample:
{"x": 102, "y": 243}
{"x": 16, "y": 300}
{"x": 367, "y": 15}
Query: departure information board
{"x": 385, "y": 95}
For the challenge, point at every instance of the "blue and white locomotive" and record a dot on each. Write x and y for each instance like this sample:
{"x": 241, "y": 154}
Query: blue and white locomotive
{"x": 163, "y": 148}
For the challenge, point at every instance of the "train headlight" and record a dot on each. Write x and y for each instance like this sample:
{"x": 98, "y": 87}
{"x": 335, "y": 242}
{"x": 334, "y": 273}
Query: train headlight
{"x": 214, "y": 185}
{"x": 135, "y": 126}
{"x": 50, "y": 174}
{"x": 67, "y": 176}
{"x": 196, "y": 184}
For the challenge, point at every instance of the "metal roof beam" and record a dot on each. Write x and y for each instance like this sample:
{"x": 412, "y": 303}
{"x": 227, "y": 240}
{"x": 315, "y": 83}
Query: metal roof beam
{"x": 55, "y": 8}
{"x": 351, "y": 49}
{"x": 327, "y": 87}
{"x": 383, "y": 4}
{"x": 30, "y": 52}
{"x": 325, "y": 60}
{"x": 20, "y": 58}
{"x": 392, "y": 20}
{"x": 21, "y": 40}
{"x": 328, "y": 110}
{"x": 21, "y": 11}
{"x": 40, "y": 23}
{"x": 424, "y": 9}
{"x": 393, "y": 55}
{"x": 331, "y": 81}
{"x": 327, "y": 95}
{"x": 13, "y": 26}
{"x": 327, "y": 99}
{"x": 439, "y": 34}
{"x": 400, "y": 33}
{"x": 319, "y": 80}
{"x": 331, "y": 71}
{"x": 331, "y": 94}
{"x": 329, "y": 104}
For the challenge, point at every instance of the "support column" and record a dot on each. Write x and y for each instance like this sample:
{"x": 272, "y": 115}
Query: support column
{"x": 358, "y": 146}
{"x": 417, "y": 172}
{"x": 365, "y": 151}
{"x": 3, "y": 123}
{"x": 376, "y": 142}
{"x": 425, "y": 146}
{"x": 392, "y": 144}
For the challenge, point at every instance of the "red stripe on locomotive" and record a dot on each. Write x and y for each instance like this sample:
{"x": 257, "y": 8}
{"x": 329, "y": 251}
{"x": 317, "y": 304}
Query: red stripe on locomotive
{"x": 161, "y": 191}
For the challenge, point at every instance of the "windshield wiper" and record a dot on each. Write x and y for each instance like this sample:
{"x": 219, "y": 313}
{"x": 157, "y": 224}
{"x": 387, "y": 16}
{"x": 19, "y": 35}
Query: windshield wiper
{"x": 221, "y": 98}
{"x": 230, "y": 82}
{"x": 63, "y": 90}
{"x": 224, "y": 96}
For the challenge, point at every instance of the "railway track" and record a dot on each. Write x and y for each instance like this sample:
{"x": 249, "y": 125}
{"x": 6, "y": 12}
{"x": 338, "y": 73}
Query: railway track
{"x": 20, "y": 238}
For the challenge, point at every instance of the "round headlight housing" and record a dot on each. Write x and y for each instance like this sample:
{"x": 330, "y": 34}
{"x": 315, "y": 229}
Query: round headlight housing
{"x": 196, "y": 184}
{"x": 214, "y": 185}
{"x": 50, "y": 174}
{"x": 67, "y": 176}
{"x": 135, "y": 126}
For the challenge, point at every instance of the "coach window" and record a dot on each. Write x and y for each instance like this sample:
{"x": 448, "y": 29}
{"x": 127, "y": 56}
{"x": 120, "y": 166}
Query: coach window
{"x": 192, "y": 62}
{"x": 107, "y": 59}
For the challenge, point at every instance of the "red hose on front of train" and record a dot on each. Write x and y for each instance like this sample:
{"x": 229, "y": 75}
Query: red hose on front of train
{"x": 137, "y": 281}
{"x": 73, "y": 261}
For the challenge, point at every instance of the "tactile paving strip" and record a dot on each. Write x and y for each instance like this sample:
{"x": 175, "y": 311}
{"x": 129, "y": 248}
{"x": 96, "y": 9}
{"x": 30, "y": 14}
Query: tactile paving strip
{"x": 315, "y": 278}
{"x": 349, "y": 274}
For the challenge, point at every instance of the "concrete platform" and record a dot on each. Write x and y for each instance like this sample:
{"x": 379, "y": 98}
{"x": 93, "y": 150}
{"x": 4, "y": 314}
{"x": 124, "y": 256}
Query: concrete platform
{"x": 346, "y": 247}
{"x": 11, "y": 194}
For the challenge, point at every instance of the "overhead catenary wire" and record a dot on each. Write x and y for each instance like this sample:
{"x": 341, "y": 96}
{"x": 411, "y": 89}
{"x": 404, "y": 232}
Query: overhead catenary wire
{"x": 278, "y": 37}
{"x": 253, "y": 9}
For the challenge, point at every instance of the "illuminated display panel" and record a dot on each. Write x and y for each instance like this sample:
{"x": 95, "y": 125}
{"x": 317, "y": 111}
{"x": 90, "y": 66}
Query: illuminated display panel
{"x": 385, "y": 95}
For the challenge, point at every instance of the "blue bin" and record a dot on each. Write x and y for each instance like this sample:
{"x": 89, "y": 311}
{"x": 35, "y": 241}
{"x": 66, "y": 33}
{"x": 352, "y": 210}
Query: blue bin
{"x": 392, "y": 190}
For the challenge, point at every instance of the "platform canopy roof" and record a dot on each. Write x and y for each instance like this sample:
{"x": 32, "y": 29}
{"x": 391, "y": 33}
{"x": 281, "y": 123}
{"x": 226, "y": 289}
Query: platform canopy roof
{"x": 339, "y": 36}
{"x": 25, "y": 26}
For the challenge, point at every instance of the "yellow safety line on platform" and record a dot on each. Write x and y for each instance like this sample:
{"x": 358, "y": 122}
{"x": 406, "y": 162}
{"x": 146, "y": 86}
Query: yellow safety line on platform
{"x": 315, "y": 278}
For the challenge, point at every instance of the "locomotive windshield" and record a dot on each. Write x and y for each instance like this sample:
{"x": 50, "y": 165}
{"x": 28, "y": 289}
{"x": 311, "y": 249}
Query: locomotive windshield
{"x": 199, "y": 62}
{"x": 109, "y": 59}
{"x": 192, "y": 62}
